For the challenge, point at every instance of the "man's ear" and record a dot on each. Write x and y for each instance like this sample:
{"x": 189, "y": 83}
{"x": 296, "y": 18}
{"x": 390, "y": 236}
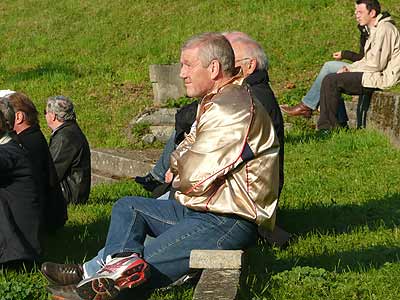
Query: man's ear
{"x": 374, "y": 12}
{"x": 19, "y": 117}
{"x": 252, "y": 66}
{"x": 215, "y": 68}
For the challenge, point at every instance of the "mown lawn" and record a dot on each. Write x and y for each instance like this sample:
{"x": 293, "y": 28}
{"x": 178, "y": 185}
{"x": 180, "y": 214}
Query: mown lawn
{"x": 98, "y": 52}
{"x": 340, "y": 201}
{"x": 341, "y": 196}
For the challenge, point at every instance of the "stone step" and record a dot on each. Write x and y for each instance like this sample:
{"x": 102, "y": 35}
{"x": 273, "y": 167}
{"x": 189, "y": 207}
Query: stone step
{"x": 110, "y": 165}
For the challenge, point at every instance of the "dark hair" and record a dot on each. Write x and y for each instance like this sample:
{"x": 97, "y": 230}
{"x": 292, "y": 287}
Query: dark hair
{"x": 3, "y": 124}
{"x": 21, "y": 102}
{"x": 371, "y": 4}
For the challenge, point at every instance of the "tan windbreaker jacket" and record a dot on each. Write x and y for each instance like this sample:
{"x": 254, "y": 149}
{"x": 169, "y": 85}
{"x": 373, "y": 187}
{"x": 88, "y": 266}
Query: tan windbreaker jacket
{"x": 229, "y": 163}
{"x": 381, "y": 62}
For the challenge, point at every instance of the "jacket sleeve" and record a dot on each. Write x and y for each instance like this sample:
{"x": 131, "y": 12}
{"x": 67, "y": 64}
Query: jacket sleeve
{"x": 352, "y": 56}
{"x": 218, "y": 145}
{"x": 63, "y": 152}
{"x": 7, "y": 163}
{"x": 378, "y": 55}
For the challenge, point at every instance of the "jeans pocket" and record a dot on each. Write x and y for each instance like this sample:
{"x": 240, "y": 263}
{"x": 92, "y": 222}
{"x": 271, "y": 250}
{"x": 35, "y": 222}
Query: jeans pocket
{"x": 242, "y": 234}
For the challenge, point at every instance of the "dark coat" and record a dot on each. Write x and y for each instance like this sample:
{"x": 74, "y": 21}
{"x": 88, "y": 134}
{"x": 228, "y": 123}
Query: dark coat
{"x": 71, "y": 155}
{"x": 260, "y": 89}
{"x": 20, "y": 212}
{"x": 54, "y": 206}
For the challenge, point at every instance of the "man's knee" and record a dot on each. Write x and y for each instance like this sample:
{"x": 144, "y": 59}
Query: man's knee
{"x": 329, "y": 81}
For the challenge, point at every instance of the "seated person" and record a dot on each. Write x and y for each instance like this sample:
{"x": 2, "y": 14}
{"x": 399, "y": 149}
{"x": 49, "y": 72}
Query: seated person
{"x": 29, "y": 135}
{"x": 222, "y": 195}
{"x": 69, "y": 149}
{"x": 20, "y": 212}
{"x": 310, "y": 101}
{"x": 252, "y": 61}
{"x": 378, "y": 69}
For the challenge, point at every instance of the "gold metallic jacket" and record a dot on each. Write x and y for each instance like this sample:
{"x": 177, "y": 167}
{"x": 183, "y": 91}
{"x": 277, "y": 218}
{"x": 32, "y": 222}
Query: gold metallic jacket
{"x": 228, "y": 164}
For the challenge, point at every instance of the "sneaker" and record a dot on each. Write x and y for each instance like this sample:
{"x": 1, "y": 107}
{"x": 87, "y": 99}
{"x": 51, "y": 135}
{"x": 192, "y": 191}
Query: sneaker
{"x": 117, "y": 274}
{"x": 148, "y": 182}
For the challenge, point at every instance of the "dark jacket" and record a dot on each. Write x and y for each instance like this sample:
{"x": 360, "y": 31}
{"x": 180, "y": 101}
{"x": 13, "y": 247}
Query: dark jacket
{"x": 71, "y": 155}
{"x": 261, "y": 90}
{"x": 353, "y": 56}
{"x": 54, "y": 206}
{"x": 20, "y": 212}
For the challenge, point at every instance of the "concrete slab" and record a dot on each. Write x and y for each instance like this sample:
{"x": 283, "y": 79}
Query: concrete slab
{"x": 216, "y": 259}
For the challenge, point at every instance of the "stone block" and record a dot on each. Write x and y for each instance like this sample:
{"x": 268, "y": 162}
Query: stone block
{"x": 217, "y": 284}
{"x": 216, "y": 259}
{"x": 166, "y": 82}
{"x": 162, "y": 133}
{"x": 384, "y": 115}
{"x": 162, "y": 116}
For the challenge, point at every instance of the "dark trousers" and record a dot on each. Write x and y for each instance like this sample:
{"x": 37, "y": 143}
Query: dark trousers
{"x": 332, "y": 88}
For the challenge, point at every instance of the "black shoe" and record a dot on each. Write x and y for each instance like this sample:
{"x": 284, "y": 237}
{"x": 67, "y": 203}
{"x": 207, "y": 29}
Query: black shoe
{"x": 62, "y": 274}
{"x": 148, "y": 182}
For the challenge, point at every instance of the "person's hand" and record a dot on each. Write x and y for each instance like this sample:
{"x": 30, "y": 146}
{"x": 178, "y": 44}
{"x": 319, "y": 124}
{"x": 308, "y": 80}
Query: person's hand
{"x": 168, "y": 176}
{"x": 337, "y": 55}
{"x": 343, "y": 70}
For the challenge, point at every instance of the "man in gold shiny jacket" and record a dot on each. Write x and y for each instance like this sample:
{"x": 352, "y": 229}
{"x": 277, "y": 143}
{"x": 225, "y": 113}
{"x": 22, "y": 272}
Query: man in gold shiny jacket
{"x": 226, "y": 177}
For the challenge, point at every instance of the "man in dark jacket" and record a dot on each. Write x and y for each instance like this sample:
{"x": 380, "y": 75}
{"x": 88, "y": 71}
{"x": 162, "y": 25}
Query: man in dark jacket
{"x": 20, "y": 212}
{"x": 69, "y": 149}
{"x": 30, "y": 136}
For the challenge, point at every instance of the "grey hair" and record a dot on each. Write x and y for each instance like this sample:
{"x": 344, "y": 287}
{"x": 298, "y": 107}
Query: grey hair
{"x": 212, "y": 46}
{"x": 253, "y": 50}
{"x": 62, "y": 107}
{"x": 8, "y": 112}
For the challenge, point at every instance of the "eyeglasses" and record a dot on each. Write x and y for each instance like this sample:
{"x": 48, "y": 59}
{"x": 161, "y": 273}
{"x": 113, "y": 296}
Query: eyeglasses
{"x": 242, "y": 59}
{"x": 45, "y": 112}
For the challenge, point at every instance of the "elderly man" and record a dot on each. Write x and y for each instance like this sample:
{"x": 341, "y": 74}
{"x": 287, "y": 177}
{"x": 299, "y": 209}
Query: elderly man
{"x": 27, "y": 128}
{"x": 69, "y": 149}
{"x": 20, "y": 213}
{"x": 378, "y": 69}
{"x": 252, "y": 60}
{"x": 222, "y": 194}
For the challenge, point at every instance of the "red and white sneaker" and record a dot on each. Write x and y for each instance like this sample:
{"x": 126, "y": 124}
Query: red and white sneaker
{"x": 117, "y": 274}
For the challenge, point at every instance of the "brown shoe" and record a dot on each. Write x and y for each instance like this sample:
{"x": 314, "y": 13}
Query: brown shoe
{"x": 62, "y": 274}
{"x": 65, "y": 292}
{"x": 297, "y": 110}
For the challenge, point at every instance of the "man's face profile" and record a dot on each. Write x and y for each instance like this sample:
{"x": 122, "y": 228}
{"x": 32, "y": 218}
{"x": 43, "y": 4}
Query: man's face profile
{"x": 197, "y": 78}
{"x": 363, "y": 16}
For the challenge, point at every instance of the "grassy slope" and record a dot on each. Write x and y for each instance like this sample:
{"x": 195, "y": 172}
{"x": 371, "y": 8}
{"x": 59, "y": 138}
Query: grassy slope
{"x": 98, "y": 52}
{"x": 341, "y": 194}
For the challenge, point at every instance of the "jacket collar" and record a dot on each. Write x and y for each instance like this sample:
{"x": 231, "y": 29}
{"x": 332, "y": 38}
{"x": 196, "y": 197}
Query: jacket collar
{"x": 5, "y": 139}
{"x": 63, "y": 125}
{"x": 257, "y": 77}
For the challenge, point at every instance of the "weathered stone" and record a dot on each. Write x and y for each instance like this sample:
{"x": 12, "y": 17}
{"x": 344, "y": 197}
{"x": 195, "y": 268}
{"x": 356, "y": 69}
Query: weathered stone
{"x": 162, "y": 133}
{"x": 166, "y": 82}
{"x": 123, "y": 163}
{"x": 161, "y": 116}
{"x": 149, "y": 138}
{"x": 216, "y": 259}
{"x": 217, "y": 284}
{"x": 384, "y": 115}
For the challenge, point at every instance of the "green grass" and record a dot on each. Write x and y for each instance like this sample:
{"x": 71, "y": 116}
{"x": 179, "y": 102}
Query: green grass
{"x": 98, "y": 52}
{"x": 340, "y": 202}
{"x": 341, "y": 196}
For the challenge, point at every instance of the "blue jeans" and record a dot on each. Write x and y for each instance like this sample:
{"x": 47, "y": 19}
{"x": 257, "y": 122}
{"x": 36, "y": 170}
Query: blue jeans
{"x": 163, "y": 162}
{"x": 311, "y": 99}
{"x": 177, "y": 231}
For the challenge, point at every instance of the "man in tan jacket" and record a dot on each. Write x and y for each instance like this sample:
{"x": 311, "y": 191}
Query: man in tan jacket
{"x": 223, "y": 195}
{"x": 378, "y": 69}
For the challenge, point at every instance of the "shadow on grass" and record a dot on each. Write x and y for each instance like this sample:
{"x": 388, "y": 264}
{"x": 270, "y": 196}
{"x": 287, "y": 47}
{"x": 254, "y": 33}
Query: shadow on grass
{"x": 336, "y": 218}
{"x": 76, "y": 243}
{"x": 45, "y": 69}
{"x": 377, "y": 213}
